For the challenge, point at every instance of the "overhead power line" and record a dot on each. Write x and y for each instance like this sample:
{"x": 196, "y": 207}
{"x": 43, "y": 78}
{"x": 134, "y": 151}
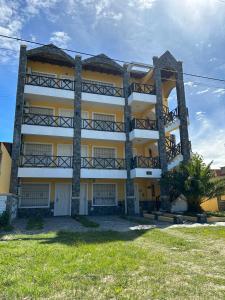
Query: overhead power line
{"x": 118, "y": 60}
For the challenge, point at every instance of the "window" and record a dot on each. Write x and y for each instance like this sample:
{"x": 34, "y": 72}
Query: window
{"x": 44, "y": 74}
{"x": 41, "y": 111}
{"x": 38, "y": 149}
{"x": 98, "y": 82}
{"x": 104, "y": 152}
{"x": 34, "y": 195}
{"x": 103, "y": 117}
{"x": 104, "y": 194}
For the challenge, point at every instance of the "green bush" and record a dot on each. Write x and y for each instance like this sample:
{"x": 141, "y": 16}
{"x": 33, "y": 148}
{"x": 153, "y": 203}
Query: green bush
{"x": 4, "y": 219}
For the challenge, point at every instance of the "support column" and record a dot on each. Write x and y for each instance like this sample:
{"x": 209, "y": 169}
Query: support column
{"x": 183, "y": 114}
{"x": 130, "y": 197}
{"x": 165, "y": 205}
{"x": 75, "y": 203}
{"x": 18, "y": 120}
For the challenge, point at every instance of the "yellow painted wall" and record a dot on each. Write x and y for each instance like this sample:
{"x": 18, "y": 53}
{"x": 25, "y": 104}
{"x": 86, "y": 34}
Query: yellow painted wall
{"x": 90, "y": 143}
{"x": 144, "y": 192}
{"x": 143, "y": 149}
{"x": 5, "y": 170}
{"x": 54, "y": 181}
{"x": 210, "y": 205}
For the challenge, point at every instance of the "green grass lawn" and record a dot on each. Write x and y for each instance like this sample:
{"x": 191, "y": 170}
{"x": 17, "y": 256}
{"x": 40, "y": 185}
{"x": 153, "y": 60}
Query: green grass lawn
{"x": 155, "y": 264}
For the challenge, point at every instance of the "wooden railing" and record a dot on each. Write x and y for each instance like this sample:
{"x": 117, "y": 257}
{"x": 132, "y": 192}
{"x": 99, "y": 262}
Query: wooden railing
{"x": 102, "y": 125}
{"x": 107, "y": 90}
{"x": 45, "y": 161}
{"x": 143, "y": 124}
{"x": 141, "y": 88}
{"x": 47, "y": 120}
{"x": 145, "y": 162}
{"x": 50, "y": 82}
{"x": 103, "y": 163}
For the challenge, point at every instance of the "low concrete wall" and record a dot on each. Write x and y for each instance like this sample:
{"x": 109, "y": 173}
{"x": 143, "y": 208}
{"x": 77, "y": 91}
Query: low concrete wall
{"x": 9, "y": 203}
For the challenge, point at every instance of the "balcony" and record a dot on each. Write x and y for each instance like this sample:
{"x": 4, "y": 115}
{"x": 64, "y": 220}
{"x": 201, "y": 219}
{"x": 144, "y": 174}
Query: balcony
{"x": 42, "y": 166}
{"x": 48, "y": 87}
{"x": 143, "y": 130}
{"x": 145, "y": 167}
{"x": 171, "y": 118}
{"x": 48, "y": 125}
{"x": 141, "y": 96}
{"x": 63, "y": 89}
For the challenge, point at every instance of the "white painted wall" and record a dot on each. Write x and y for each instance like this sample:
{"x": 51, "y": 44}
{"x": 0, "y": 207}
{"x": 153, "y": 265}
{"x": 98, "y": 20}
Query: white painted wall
{"x": 103, "y": 135}
{"x": 102, "y": 99}
{"x": 48, "y": 92}
{"x": 103, "y": 174}
{"x": 139, "y": 98}
{"x": 141, "y": 173}
{"x": 47, "y": 131}
{"x": 144, "y": 134}
{"x": 175, "y": 162}
{"x": 45, "y": 172}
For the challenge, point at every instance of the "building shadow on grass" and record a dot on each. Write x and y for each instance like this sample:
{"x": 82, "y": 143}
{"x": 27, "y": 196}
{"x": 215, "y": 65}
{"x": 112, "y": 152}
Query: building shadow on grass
{"x": 76, "y": 238}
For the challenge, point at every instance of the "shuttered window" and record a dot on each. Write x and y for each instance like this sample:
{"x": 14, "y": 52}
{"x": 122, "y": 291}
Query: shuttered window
{"x": 98, "y": 82}
{"x": 103, "y": 117}
{"x": 41, "y": 111}
{"x": 104, "y": 152}
{"x": 37, "y": 149}
{"x": 104, "y": 194}
{"x": 44, "y": 74}
{"x": 34, "y": 195}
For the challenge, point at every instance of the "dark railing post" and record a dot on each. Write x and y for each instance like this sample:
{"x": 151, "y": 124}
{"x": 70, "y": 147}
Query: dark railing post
{"x": 75, "y": 203}
{"x": 16, "y": 147}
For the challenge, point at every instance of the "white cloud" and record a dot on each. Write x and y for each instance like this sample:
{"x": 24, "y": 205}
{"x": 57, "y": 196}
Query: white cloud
{"x": 207, "y": 140}
{"x": 202, "y": 92}
{"x": 60, "y": 38}
{"x": 219, "y": 91}
{"x": 144, "y": 4}
{"x": 190, "y": 84}
{"x": 34, "y": 6}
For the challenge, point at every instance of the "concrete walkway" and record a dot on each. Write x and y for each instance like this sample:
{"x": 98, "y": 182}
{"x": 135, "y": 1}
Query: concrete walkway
{"x": 106, "y": 223}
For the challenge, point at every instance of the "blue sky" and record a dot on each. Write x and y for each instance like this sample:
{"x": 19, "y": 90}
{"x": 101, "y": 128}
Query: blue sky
{"x": 134, "y": 30}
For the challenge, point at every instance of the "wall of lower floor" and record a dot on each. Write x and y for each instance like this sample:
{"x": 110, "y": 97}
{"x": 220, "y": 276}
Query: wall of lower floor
{"x": 147, "y": 194}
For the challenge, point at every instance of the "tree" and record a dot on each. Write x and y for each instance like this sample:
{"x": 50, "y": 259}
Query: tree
{"x": 195, "y": 181}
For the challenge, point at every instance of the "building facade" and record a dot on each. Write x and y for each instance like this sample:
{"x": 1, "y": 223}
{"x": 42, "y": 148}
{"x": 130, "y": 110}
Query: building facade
{"x": 5, "y": 167}
{"x": 94, "y": 137}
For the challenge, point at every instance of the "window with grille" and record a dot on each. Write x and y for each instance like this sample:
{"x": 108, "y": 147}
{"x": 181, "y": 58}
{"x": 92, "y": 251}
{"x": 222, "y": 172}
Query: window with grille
{"x": 104, "y": 152}
{"x": 104, "y": 194}
{"x": 37, "y": 149}
{"x": 103, "y": 117}
{"x": 98, "y": 82}
{"x": 44, "y": 74}
{"x": 41, "y": 111}
{"x": 34, "y": 195}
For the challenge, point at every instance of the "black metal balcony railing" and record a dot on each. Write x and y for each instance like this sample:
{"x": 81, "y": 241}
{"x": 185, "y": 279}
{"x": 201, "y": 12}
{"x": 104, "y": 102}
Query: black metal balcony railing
{"x": 103, "y": 163}
{"x": 170, "y": 116}
{"x": 50, "y": 82}
{"x": 143, "y": 124}
{"x": 141, "y": 88}
{"x": 47, "y": 120}
{"x": 94, "y": 88}
{"x": 102, "y": 125}
{"x": 145, "y": 162}
{"x": 173, "y": 152}
{"x": 46, "y": 161}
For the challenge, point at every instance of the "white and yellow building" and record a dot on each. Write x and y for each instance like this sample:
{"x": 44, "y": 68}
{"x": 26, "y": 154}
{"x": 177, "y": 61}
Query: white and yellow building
{"x": 92, "y": 136}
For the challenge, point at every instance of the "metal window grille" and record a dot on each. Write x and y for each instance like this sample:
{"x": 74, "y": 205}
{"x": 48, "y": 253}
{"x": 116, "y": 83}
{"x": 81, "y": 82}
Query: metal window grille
{"x": 98, "y": 82}
{"x": 103, "y": 117}
{"x": 38, "y": 149}
{"x": 41, "y": 111}
{"x": 34, "y": 195}
{"x": 104, "y": 152}
{"x": 104, "y": 194}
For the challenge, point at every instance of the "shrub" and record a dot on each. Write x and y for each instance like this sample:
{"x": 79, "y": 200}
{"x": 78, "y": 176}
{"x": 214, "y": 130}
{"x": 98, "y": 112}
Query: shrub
{"x": 4, "y": 219}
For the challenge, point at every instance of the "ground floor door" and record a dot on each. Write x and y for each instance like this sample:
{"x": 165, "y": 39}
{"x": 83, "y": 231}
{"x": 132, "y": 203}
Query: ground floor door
{"x": 136, "y": 204}
{"x": 83, "y": 210}
{"x": 62, "y": 206}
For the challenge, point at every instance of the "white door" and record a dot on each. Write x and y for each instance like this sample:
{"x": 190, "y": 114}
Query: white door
{"x": 83, "y": 199}
{"x": 62, "y": 206}
{"x": 136, "y": 204}
{"x": 65, "y": 153}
